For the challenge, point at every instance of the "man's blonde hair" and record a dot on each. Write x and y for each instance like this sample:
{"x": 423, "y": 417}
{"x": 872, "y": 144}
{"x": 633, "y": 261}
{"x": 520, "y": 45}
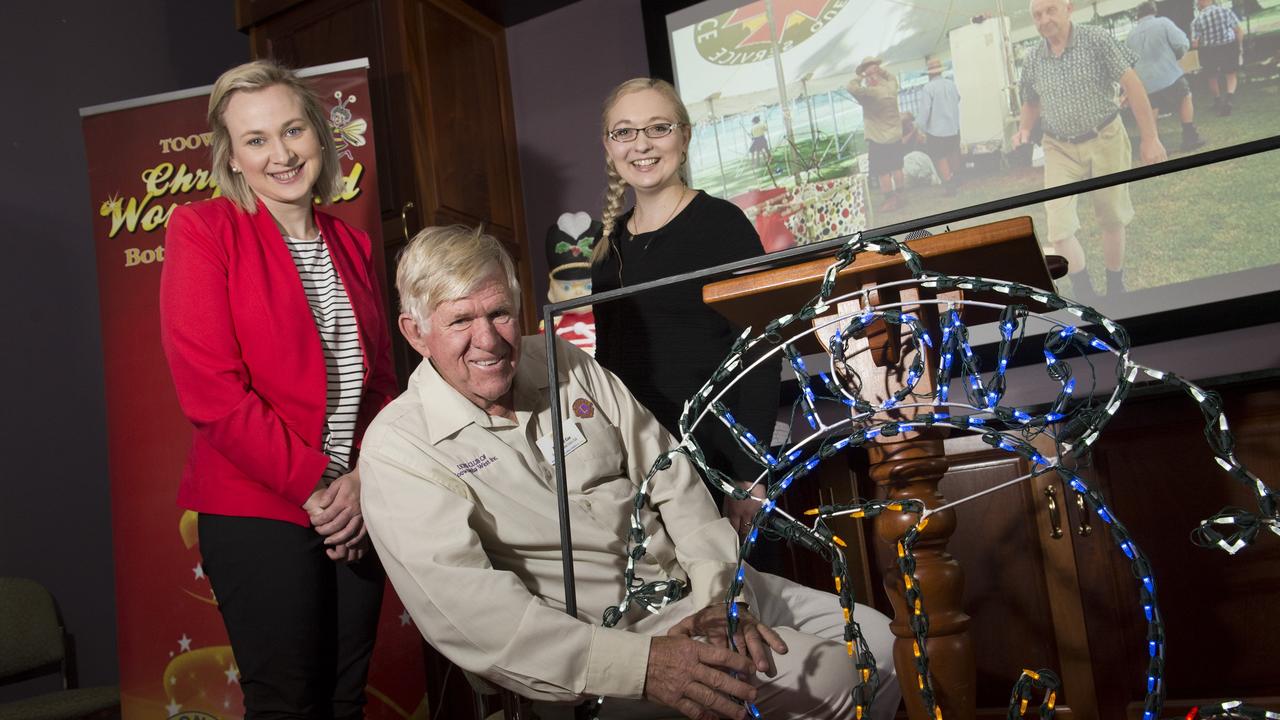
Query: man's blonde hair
{"x": 445, "y": 263}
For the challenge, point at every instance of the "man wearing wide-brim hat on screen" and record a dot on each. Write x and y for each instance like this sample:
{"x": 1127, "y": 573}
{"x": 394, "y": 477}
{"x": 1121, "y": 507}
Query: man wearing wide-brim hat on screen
{"x": 877, "y": 92}
{"x": 939, "y": 118}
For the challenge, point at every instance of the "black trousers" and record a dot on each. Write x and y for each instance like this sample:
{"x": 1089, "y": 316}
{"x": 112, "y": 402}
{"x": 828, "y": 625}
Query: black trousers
{"x": 301, "y": 625}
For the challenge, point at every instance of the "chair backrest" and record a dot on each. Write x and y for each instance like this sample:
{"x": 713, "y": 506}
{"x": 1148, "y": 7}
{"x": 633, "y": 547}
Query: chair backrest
{"x": 31, "y": 639}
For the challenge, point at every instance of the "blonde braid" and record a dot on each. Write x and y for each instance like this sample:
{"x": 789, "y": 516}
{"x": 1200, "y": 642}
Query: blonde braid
{"x": 612, "y": 207}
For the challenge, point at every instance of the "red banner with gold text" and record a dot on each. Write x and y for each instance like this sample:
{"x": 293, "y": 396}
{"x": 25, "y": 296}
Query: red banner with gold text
{"x": 146, "y": 157}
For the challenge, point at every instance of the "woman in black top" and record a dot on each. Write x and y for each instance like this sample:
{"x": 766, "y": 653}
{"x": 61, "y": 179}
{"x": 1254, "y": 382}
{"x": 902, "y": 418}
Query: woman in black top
{"x": 665, "y": 344}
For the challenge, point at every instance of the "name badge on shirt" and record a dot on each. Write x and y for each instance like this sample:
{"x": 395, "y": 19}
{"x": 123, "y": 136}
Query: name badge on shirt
{"x": 573, "y": 439}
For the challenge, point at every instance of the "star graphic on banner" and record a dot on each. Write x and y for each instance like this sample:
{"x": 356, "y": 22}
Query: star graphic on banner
{"x": 788, "y": 13}
{"x": 184, "y": 643}
{"x": 198, "y": 570}
{"x": 233, "y": 675}
{"x": 404, "y": 618}
{"x": 172, "y": 708}
{"x": 111, "y": 204}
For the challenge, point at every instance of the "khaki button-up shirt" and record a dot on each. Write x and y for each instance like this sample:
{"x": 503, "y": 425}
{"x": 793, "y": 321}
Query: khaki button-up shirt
{"x": 881, "y": 120}
{"x": 462, "y": 510}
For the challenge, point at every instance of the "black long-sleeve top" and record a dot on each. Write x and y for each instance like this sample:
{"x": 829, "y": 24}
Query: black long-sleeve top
{"x": 664, "y": 344}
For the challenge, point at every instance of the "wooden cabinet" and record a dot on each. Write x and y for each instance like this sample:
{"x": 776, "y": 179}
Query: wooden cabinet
{"x": 1067, "y": 601}
{"x": 442, "y": 117}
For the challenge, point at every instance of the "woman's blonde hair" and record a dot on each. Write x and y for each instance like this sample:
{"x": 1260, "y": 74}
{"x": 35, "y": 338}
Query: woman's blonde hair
{"x": 252, "y": 77}
{"x": 617, "y": 187}
{"x": 448, "y": 262}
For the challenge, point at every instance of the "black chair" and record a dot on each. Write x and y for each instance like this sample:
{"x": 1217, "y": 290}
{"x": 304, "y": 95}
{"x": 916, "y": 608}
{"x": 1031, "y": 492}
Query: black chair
{"x": 33, "y": 644}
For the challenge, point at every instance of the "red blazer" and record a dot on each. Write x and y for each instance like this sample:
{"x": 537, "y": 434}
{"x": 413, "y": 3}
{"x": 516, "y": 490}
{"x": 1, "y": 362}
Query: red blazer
{"x": 246, "y": 358}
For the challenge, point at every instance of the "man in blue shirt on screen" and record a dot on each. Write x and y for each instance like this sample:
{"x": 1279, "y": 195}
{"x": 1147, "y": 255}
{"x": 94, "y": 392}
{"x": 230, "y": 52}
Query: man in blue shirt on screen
{"x": 1159, "y": 45}
{"x": 940, "y": 121}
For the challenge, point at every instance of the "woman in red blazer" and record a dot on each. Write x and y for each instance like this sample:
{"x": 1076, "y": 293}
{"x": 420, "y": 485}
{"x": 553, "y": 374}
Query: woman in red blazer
{"x": 273, "y": 326}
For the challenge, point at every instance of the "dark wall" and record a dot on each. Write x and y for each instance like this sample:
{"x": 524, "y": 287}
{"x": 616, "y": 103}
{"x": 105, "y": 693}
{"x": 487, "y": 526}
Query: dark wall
{"x": 562, "y": 66}
{"x": 55, "y": 523}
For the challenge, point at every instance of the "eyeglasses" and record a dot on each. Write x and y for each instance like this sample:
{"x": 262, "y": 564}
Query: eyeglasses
{"x": 654, "y": 131}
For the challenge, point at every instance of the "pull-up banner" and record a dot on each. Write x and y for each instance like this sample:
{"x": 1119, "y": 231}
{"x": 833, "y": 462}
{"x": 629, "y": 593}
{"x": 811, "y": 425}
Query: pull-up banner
{"x": 146, "y": 157}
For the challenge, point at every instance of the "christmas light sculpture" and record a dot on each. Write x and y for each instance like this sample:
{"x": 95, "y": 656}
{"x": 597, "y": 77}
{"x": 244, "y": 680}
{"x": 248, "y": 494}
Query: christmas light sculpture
{"x": 1073, "y": 420}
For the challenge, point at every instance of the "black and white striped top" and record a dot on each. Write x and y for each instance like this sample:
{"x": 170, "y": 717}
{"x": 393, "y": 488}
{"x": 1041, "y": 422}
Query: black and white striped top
{"x": 339, "y": 336}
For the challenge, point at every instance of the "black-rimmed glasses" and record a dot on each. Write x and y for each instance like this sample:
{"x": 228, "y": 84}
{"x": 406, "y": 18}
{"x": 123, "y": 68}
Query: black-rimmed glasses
{"x": 654, "y": 131}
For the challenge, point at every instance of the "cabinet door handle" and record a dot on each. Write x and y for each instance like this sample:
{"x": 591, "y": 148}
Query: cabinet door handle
{"x": 1085, "y": 528}
{"x": 1055, "y": 518}
{"x": 404, "y": 219}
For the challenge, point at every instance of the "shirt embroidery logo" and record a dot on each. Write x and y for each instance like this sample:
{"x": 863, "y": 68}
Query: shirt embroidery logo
{"x": 473, "y": 466}
{"x": 583, "y": 408}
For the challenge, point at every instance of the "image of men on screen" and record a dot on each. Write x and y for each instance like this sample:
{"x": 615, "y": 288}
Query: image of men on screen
{"x": 794, "y": 77}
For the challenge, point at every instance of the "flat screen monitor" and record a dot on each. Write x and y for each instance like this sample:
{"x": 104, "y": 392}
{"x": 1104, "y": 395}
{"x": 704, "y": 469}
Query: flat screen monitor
{"x": 775, "y": 90}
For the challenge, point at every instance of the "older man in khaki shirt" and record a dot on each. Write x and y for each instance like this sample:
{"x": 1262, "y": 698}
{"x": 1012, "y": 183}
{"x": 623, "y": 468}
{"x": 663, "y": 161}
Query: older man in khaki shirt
{"x": 459, "y": 497}
{"x": 876, "y": 90}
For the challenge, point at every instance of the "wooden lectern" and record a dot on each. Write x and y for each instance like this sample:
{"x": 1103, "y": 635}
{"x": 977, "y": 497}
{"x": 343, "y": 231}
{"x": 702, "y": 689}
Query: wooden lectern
{"x": 911, "y": 464}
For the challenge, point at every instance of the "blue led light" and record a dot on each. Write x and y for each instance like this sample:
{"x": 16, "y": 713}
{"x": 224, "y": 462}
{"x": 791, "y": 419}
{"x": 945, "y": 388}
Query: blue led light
{"x": 728, "y": 417}
{"x": 1149, "y": 583}
{"x": 847, "y": 402}
{"x": 752, "y": 537}
{"x": 1151, "y": 684}
{"x": 1067, "y": 331}
{"x": 1050, "y": 358}
{"x": 1053, "y": 417}
{"x": 975, "y": 421}
{"x": 872, "y": 433}
{"x": 791, "y": 456}
{"x": 946, "y": 361}
{"x": 1127, "y": 547}
{"x": 750, "y": 438}
{"x": 842, "y": 443}
{"x": 974, "y": 382}
{"x": 770, "y": 459}
{"x": 1039, "y": 459}
{"x": 1004, "y": 364}
{"x": 1146, "y": 609}
{"x": 912, "y": 377}
{"x": 867, "y": 318}
{"x": 798, "y": 363}
{"x": 1152, "y": 646}
{"x": 1021, "y": 416}
{"x": 889, "y": 403}
{"x": 1070, "y": 386}
{"x": 1078, "y": 485}
{"x": 943, "y": 392}
{"x": 927, "y": 340}
{"x": 1006, "y": 445}
{"x": 742, "y": 573}
{"x": 1100, "y": 345}
{"x": 1103, "y": 515}
{"x": 1006, "y": 329}
{"x": 733, "y": 609}
{"x": 767, "y": 506}
{"x": 812, "y": 462}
